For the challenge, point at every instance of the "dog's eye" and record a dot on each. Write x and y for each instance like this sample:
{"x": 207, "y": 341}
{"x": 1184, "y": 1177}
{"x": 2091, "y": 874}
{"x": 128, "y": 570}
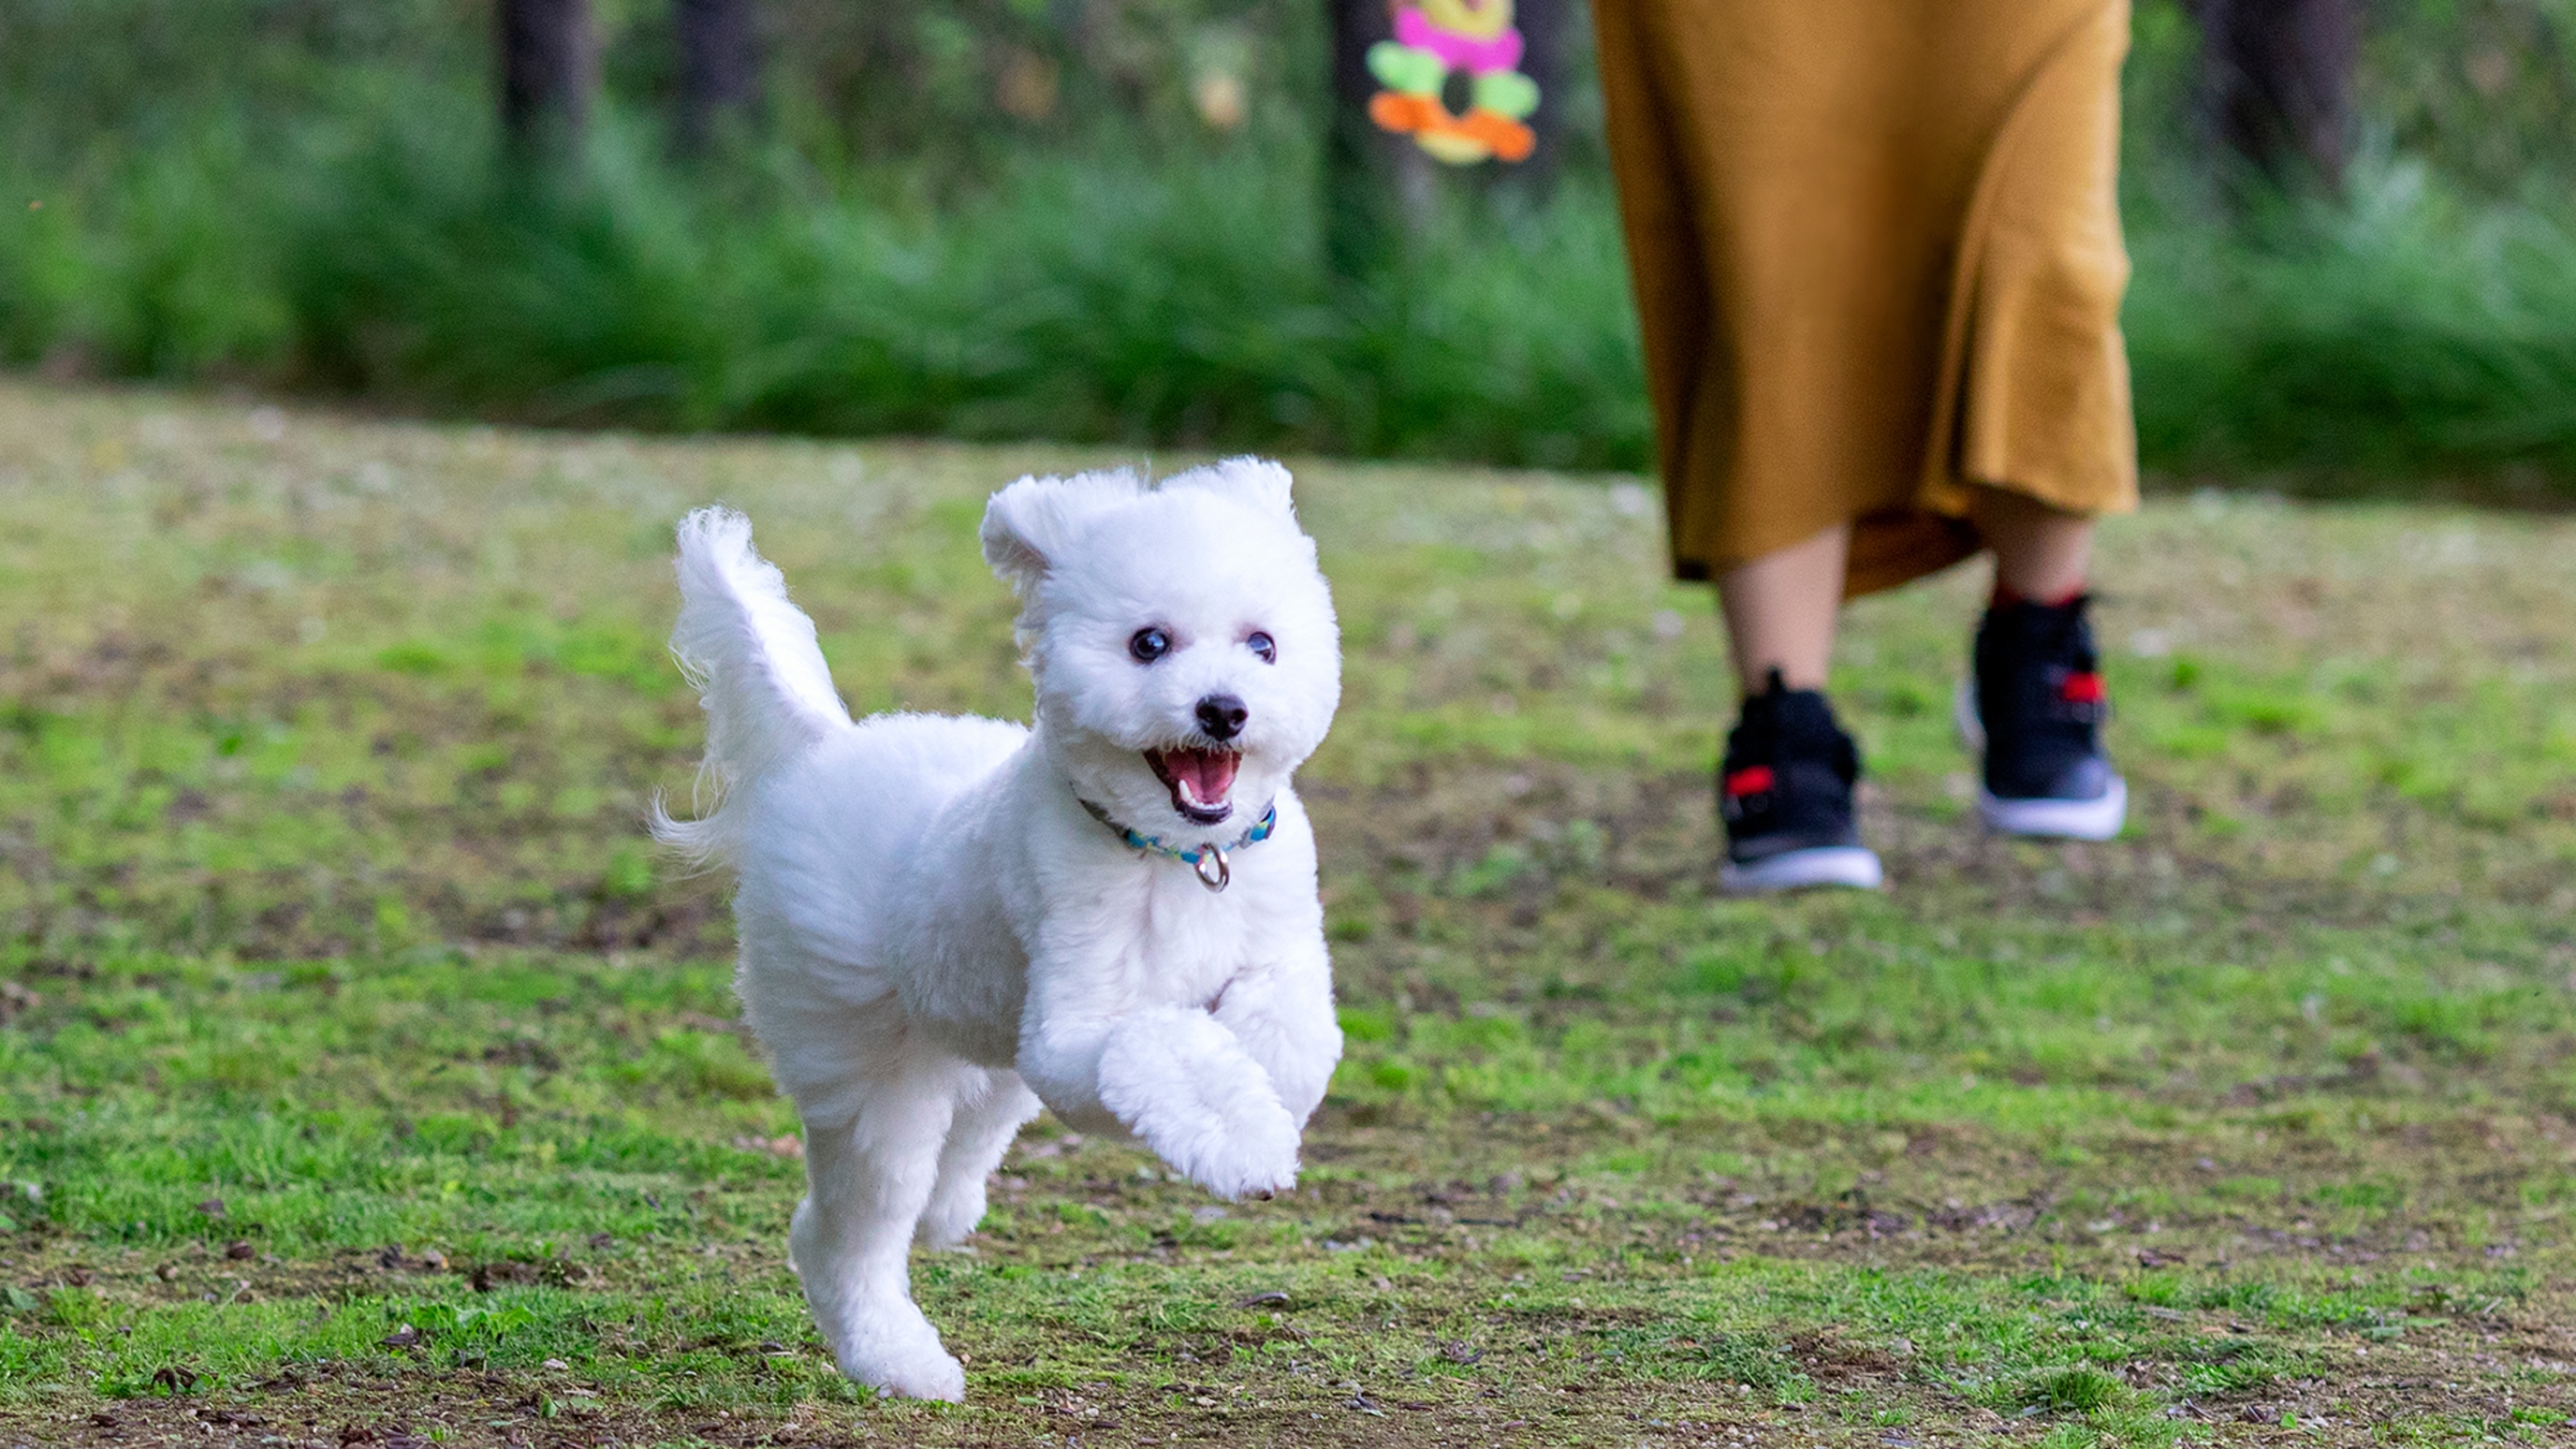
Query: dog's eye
{"x": 1261, "y": 644}
{"x": 1149, "y": 645}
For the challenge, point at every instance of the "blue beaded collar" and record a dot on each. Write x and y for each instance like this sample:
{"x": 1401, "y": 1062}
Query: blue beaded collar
{"x": 1207, "y": 858}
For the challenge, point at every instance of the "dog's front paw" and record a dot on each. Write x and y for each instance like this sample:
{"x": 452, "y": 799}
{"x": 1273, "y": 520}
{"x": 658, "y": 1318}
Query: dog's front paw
{"x": 1184, "y": 1084}
{"x": 1254, "y": 1159}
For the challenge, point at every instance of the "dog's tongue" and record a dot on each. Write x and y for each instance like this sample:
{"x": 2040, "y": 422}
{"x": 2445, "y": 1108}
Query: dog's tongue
{"x": 1201, "y": 777}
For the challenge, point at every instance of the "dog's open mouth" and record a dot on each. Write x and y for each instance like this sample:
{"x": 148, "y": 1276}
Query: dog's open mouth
{"x": 1200, "y": 781}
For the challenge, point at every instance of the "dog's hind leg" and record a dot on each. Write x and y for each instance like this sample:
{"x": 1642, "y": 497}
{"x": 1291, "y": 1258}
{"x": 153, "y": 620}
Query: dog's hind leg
{"x": 988, "y": 1118}
{"x": 868, "y": 1179}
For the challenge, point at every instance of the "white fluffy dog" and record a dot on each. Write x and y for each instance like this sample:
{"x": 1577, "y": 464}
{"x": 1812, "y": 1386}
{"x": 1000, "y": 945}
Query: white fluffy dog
{"x": 946, "y": 922}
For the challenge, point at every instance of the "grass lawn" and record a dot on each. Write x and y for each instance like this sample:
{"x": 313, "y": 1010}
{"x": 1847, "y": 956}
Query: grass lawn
{"x": 366, "y": 1079}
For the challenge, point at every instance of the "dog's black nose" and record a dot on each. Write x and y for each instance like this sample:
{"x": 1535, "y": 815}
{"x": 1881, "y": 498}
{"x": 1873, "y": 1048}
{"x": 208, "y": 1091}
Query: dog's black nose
{"x": 1222, "y": 716}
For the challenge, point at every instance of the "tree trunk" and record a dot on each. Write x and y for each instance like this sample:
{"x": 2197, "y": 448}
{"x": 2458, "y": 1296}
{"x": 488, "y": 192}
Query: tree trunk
{"x": 2276, "y": 80}
{"x": 1547, "y": 35}
{"x": 719, "y": 67}
{"x": 549, "y": 62}
{"x": 1375, "y": 183}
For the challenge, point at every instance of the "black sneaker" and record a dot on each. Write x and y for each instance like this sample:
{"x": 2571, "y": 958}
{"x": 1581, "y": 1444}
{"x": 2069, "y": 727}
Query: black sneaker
{"x": 1785, "y": 793}
{"x": 2035, "y": 710}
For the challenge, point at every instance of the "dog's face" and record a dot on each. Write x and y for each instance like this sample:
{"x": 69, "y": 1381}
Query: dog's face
{"x": 1182, "y": 639}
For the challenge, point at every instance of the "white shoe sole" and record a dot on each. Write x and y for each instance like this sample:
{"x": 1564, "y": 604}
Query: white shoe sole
{"x": 1824, "y": 865}
{"x": 2095, "y": 819}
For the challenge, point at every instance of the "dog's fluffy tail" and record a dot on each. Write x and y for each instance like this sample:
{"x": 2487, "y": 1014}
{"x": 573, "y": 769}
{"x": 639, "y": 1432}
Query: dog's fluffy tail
{"x": 759, "y": 674}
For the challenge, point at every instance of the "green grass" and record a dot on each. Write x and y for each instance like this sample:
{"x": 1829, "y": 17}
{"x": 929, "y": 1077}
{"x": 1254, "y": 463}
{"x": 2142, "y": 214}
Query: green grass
{"x": 364, "y": 1068}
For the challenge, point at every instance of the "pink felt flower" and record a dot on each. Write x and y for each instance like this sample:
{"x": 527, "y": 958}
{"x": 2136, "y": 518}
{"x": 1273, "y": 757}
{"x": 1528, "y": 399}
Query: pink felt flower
{"x": 1459, "y": 52}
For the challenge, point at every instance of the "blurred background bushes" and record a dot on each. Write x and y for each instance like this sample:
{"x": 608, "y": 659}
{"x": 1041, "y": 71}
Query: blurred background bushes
{"x": 1103, "y": 220}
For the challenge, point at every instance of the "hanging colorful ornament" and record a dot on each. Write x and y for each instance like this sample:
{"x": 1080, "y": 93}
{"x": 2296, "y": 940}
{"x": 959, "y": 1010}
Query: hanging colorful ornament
{"x": 1434, "y": 40}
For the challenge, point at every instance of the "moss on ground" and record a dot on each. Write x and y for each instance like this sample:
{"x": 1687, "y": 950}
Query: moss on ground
{"x": 367, "y": 1079}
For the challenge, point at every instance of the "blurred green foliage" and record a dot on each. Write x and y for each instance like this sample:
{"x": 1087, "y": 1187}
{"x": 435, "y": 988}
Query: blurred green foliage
{"x": 2483, "y": 90}
{"x": 927, "y": 86}
{"x": 1099, "y": 220}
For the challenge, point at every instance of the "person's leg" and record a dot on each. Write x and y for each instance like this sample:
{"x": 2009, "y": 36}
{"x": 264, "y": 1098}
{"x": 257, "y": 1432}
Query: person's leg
{"x": 2038, "y": 704}
{"x": 1781, "y": 610}
{"x": 1784, "y": 789}
{"x": 2041, "y": 553}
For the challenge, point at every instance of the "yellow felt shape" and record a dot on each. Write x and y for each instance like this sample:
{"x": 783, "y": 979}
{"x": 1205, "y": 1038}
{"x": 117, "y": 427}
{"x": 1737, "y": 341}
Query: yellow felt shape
{"x": 1482, "y": 19}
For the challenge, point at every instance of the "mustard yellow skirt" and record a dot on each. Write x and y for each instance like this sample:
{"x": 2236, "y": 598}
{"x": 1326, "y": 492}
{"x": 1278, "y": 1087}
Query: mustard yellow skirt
{"x": 1877, "y": 256}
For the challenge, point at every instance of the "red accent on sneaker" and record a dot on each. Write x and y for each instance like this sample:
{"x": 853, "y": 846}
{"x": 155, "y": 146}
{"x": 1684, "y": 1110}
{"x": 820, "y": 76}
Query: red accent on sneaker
{"x": 1751, "y": 780}
{"x": 2083, "y": 689}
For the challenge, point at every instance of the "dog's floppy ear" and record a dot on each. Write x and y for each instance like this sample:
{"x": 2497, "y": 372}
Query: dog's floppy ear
{"x": 1029, "y": 524}
{"x": 1256, "y": 481}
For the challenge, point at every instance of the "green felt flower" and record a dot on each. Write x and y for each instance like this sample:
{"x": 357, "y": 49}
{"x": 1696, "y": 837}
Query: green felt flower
{"x": 1403, "y": 68}
{"x": 1507, "y": 91}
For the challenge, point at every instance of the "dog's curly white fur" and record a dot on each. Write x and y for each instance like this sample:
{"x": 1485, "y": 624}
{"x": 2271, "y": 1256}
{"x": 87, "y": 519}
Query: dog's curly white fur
{"x": 937, "y": 934}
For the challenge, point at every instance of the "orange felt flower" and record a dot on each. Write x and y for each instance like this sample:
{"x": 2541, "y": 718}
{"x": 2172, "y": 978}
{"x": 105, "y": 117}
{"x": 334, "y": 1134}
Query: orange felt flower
{"x": 1505, "y": 137}
{"x": 1404, "y": 112}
